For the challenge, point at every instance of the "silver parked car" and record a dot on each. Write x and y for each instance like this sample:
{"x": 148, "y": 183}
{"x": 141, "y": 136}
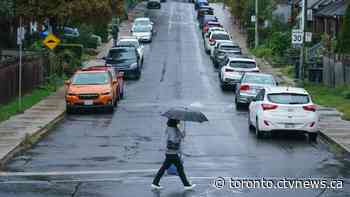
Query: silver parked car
{"x": 250, "y": 85}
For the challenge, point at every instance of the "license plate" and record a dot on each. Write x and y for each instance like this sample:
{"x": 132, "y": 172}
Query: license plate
{"x": 88, "y": 102}
{"x": 289, "y": 125}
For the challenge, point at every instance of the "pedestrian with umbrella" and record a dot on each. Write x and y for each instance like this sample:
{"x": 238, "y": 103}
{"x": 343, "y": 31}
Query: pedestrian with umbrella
{"x": 174, "y": 140}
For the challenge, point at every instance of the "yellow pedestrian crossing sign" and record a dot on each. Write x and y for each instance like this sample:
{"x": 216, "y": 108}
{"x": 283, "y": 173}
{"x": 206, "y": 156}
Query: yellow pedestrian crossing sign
{"x": 51, "y": 41}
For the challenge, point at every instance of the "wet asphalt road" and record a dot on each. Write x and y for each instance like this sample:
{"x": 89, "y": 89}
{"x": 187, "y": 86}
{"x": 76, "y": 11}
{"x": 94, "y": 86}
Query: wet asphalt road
{"x": 103, "y": 155}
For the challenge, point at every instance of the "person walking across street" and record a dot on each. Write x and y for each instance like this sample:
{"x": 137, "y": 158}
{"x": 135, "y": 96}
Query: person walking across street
{"x": 173, "y": 155}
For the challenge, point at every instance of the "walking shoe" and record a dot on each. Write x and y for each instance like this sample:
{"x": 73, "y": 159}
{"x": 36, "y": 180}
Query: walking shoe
{"x": 190, "y": 187}
{"x": 154, "y": 186}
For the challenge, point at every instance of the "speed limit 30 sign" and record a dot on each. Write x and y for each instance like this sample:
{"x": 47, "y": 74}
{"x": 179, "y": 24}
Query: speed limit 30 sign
{"x": 297, "y": 36}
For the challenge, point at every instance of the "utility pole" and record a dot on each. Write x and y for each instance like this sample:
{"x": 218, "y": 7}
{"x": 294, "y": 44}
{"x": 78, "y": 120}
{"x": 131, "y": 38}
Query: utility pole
{"x": 256, "y": 24}
{"x": 302, "y": 48}
{"x": 20, "y": 43}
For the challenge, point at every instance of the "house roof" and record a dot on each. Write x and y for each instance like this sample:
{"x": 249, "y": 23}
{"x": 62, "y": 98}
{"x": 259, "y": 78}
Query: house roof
{"x": 320, "y": 4}
{"x": 337, "y": 8}
{"x": 310, "y": 3}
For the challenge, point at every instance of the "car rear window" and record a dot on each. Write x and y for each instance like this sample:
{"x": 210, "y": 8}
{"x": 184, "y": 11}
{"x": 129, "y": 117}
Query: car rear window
{"x": 221, "y": 37}
{"x": 229, "y": 47}
{"x": 259, "y": 79}
{"x": 92, "y": 78}
{"x": 123, "y": 53}
{"x": 128, "y": 43}
{"x": 242, "y": 64}
{"x": 288, "y": 98}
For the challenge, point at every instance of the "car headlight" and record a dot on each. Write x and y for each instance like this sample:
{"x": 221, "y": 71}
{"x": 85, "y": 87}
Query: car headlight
{"x": 106, "y": 93}
{"x": 72, "y": 94}
{"x": 134, "y": 65}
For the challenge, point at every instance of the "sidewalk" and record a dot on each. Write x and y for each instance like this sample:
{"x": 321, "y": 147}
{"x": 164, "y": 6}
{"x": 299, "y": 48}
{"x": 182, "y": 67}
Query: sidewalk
{"x": 332, "y": 127}
{"x": 22, "y": 131}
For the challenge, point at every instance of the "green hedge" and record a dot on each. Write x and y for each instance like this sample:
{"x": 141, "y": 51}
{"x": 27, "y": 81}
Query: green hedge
{"x": 77, "y": 49}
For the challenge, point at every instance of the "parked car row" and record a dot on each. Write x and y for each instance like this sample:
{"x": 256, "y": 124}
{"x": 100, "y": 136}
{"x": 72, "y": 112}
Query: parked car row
{"x": 102, "y": 86}
{"x": 271, "y": 107}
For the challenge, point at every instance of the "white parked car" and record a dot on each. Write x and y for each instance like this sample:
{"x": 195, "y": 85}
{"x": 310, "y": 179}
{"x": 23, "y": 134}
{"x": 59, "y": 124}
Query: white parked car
{"x": 132, "y": 41}
{"x": 142, "y": 21}
{"x": 283, "y": 109}
{"x": 211, "y": 29}
{"x": 215, "y": 36}
{"x": 142, "y": 33}
{"x": 235, "y": 66}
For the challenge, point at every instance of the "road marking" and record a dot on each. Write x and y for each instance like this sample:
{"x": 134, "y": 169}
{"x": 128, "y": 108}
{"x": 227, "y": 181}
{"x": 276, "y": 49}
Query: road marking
{"x": 171, "y": 16}
{"x": 57, "y": 173}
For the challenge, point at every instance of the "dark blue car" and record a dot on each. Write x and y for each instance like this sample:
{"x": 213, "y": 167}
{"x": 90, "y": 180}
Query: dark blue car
{"x": 199, "y": 3}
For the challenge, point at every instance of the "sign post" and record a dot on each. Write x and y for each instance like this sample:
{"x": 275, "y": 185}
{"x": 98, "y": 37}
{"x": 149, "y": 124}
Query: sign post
{"x": 20, "y": 38}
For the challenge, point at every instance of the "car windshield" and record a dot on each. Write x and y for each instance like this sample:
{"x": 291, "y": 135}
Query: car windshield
{"x": 259, "y": 79}
{"x": 142, "y": 28}
{"x": 92, "y": 78}
{"x": 221, "y": 37}
{"x": 121, "y": 54}
{"x": 142, "y": 22}
{"x": 128, "y": 43}
{"x": 242, "y": 64}
{"x": 288, "y": 98}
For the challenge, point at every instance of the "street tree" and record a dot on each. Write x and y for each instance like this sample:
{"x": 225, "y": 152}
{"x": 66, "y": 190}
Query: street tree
{"x": 62, "y": 12}
{"x": 344, "y": 42}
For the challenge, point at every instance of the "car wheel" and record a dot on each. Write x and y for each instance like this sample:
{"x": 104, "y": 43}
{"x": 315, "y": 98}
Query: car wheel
{"x": 122, "y": 92}
{"x": 251, "y": 127}
{"x": 115, "y": 102}
{"x": 258, "y": 133}
{"x": 138, "y": 74}
{"x": 69, "y": 110}
{"x": 313, "y": 137}
{"x": 238, "y": 104}
{"x": 110, "y": 109}
{"x": 222, "y": 85}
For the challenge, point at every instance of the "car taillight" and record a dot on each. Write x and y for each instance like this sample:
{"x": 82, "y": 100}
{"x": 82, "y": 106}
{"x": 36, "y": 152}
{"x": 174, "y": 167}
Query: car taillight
{"x": 244, "y": 88}
{"x": 206, "y": 28}
{"x": 229, "y": 70}
{"x": 310, "y": 108}
{"x": 268, "y": 106}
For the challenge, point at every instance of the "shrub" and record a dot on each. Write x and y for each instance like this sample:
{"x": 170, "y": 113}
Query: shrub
{"x": 262, "y": 51}
{"x": 279, "y": 42}
{"x": 77, "y": 49}
{"x": 346, "y": 94}
{"x": 102, "y": 31}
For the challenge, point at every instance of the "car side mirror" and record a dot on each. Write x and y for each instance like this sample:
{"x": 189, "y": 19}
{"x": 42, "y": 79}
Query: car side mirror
{"x": 67, "y": 82}
{"x": 254, "y": 99}
{"x": 104, "y": 58}
{"x": 152, "y": 23}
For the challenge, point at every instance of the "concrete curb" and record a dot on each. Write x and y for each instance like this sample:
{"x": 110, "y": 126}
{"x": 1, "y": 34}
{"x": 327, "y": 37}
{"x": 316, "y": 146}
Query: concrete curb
{"x": 332, "y": 141}
{"x": 30, "y": 140}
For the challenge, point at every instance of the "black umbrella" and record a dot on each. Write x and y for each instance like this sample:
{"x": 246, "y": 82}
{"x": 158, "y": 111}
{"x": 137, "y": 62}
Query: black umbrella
{"x": 185, "y": 114}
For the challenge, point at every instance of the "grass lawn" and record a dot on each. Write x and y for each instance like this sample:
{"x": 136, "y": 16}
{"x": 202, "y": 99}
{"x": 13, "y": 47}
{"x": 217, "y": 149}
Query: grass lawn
{"x": 331, "y": 97}
{"x": 10, "y": 109}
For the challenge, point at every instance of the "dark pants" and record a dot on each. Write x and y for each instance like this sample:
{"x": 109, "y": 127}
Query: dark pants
{"x": 172, "y": 159}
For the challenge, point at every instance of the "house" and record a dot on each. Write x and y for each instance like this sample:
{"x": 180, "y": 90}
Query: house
{"x": 329, "y": 18}
{"x": 283, "y": 10}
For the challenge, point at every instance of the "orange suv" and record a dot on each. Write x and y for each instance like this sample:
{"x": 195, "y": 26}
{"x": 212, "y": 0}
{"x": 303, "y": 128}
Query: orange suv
{"x": 94, "y": 87}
